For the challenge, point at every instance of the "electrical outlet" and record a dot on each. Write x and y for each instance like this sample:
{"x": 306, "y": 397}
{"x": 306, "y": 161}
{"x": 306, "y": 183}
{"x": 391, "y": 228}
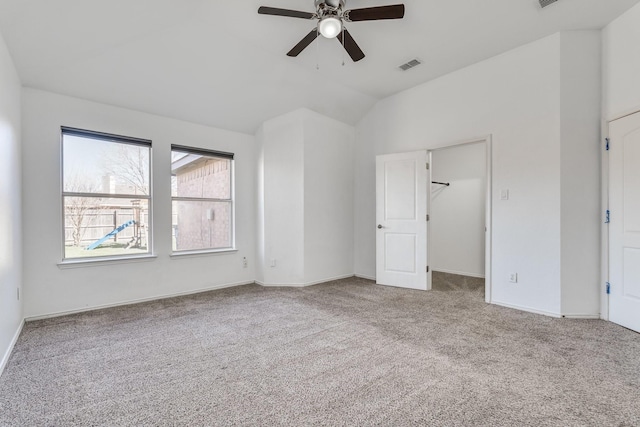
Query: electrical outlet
{"x": 504, "y": 194}
{"x": 273, "y": 262}
{"x": 513, "y": 277}
{"x": 244, "y": 262}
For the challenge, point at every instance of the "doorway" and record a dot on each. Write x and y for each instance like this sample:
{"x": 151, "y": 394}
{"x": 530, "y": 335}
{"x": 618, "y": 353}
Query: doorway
{"x": 458, "y": 215}
{"x": 404, "y": 253}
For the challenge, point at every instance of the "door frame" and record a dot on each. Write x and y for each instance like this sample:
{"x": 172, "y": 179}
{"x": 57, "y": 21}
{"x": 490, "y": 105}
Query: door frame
{"x": 488, "y": 140}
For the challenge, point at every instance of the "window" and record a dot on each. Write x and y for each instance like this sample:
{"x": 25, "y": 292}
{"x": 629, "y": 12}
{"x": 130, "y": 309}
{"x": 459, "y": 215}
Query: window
{"x": 202, "y": 200}
{"x": 105, "y": 194}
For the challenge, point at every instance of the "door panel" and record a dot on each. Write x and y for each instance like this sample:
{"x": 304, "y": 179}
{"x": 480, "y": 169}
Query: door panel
{"x": 631, "y": 184}
{"x": 401, "y": 209}
{"x": 631, "y": 273}
{"x": 624, "y": 229}
{"x": 400, "y": 190}
{"x": 400, "y": 252}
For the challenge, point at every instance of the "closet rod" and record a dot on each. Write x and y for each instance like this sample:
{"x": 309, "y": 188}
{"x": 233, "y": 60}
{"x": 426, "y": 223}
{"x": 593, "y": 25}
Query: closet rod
{"x": 441, "y": 183}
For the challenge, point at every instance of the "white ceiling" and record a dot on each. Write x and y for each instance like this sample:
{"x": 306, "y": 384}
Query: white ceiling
{"x": 221, "y": 64}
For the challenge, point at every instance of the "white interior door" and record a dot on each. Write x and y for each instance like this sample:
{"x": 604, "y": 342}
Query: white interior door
{"x": 401, "y": 213}
{"x": 624, "y": 229}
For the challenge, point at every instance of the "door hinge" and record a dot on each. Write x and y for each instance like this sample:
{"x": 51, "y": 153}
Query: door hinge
{"x": 427, "y": 268}
{"x": 608, "y": 288}
{"x": 427, "y": 217}
{"x": 607, "y": 217}
{"x": 427, "y": 166}
{"x": 607, "y": 141}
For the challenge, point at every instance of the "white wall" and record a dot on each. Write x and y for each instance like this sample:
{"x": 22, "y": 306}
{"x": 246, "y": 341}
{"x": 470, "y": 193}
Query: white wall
{"x": 10, "y": 204}
{"x": 283, "y": 222}
{"x": 308, "y": 206}
{"x": 516, "y": 98}
{"x": 50, "y": 289}
{"x": 580, "y": 104}
{"x": 621, "y": 65}
{"x": 328, "y": 198}
{"x": 457, "y": 236}
{"x": 259, "y": 217}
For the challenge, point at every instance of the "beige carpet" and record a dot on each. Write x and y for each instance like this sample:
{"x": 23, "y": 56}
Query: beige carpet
{"x": 345, "y": 353}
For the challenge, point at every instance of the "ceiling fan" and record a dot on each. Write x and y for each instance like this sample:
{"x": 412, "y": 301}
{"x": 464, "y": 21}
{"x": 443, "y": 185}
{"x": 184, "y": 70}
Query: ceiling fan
{"x": 331, "y": 16}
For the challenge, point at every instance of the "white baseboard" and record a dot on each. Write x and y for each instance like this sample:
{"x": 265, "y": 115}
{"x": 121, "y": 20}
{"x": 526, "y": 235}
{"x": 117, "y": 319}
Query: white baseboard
{"x": 459, "y": 273}
{"x": 362, "y": 276}
{"x": 547, "y": 313}
{"x": 138, "y": 301}
{"x": 302, "y": 285}
{"x": 581, "y": 316}
{"x": 330, "y": 279}
{"x": 527, "y": 309}
{"x": 12, "y": 344}
{"x": 281, "y": 285}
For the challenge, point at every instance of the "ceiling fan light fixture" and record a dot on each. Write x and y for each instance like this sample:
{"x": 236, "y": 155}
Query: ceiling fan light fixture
{"x": 331, "y": 16}
{"x": 330, "y": 27}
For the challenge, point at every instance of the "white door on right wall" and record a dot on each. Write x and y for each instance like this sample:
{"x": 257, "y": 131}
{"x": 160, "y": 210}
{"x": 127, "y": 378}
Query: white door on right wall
{"x": 624, "y": 228}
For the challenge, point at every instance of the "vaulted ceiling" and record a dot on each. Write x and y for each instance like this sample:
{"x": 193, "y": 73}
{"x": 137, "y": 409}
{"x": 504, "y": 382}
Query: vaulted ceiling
{"x": 221, "y": 64}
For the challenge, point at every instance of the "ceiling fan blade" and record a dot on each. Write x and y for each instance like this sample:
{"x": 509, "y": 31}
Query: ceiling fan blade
{"x": 306, "y": 41}
{"x": 350, "y": 46}
{"x": 395, "y": 11}
{"x": 264, "y": 10}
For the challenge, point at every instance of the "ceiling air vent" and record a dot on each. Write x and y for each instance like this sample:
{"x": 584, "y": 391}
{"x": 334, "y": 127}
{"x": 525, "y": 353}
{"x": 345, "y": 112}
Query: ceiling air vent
{"x": 410, "y": 64}
{"x": 545, "y": 3}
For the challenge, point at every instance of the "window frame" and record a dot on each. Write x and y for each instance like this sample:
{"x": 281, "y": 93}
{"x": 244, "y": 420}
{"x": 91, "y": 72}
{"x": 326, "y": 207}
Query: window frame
{"x": 103, "y": 136}
{"x": 231, "y": 200}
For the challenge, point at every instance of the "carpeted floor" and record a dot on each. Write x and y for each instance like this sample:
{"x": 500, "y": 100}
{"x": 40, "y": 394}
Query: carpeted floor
{"x": 345, "y": 353}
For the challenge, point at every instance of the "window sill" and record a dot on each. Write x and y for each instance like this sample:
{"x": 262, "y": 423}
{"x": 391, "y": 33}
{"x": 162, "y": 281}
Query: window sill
{"x": 96, "y": 262}
{"x": 202, "y": 253}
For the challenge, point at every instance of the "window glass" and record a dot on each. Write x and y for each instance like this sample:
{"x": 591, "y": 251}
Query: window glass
{"x": 202, "y": 208}
{"x": 97, "y": 166}
{"x": 106, "y": 196}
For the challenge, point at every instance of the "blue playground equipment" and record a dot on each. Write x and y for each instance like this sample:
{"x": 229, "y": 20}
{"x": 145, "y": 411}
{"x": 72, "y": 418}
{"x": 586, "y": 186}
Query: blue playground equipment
{"x": 109, "y": 235}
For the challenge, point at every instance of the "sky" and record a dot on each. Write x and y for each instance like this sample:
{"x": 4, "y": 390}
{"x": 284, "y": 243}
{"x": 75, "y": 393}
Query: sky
{"x": 86, "y": 161}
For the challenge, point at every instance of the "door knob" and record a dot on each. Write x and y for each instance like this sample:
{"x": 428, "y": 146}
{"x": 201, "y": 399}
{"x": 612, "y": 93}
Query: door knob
{"x": 380, "y": 226}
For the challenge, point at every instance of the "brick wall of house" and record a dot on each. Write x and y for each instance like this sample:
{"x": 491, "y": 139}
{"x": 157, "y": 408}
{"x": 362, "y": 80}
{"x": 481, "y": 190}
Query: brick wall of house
{"x": 203, "y": 225}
